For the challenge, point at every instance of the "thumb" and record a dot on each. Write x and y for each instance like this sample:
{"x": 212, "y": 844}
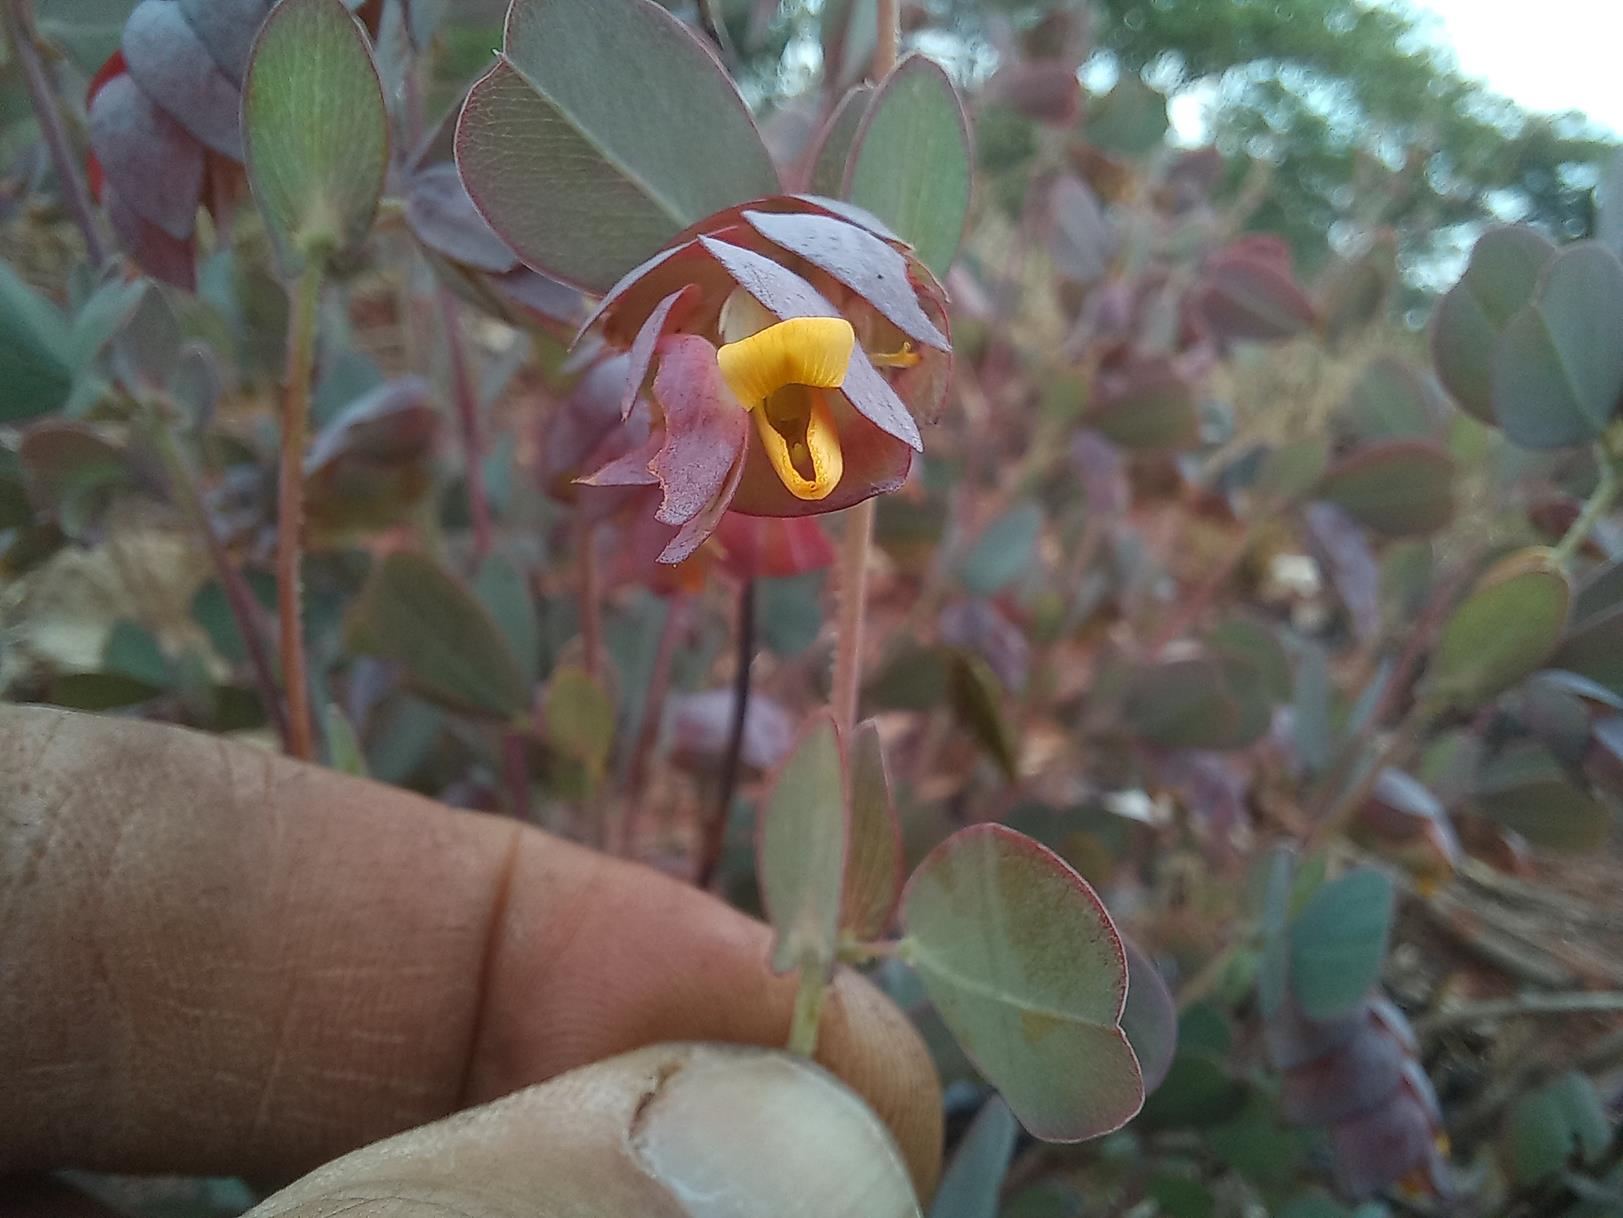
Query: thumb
{"x": 670, "y": 1131}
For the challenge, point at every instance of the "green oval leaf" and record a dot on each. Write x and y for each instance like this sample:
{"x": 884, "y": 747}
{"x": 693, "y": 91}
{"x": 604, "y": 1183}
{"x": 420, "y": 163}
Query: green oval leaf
{"x": 315, "y": 130}
{"x": 580, "y": 719}
{"x": 1500, "y": 279}
{"x": 972, "y": 1186}
{"x": 1558, "y": 367}
{"x": 1402, "y": 488}
{"x": 1562, "y": 1122}
{"x": 801, "y": 848}
{"x": 1026, "y": 969}
{"x": 1526, "y": 789}
{"x": 35, "y": 351}
{"x": 1004, "y": 550}
{"x": 604, "y": 130}
{"x": 1338, "y": 943}
{"x": 910, "y": 164}
{"x": 419, "y": 615}
{"x": 833, "y": 147}
{"x": 1504, "y": 631}
{"x": 873, "y": 872}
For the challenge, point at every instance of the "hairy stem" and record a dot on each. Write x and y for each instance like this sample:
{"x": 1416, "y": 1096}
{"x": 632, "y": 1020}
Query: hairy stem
{"x": 516, "y": 773}
{"x": 18, "y": 19}
{"x": 472, "y": 427}
{"x": 714, "y": 837}
{"x": 853, "y": 591}
{"x": 290, "y": 503}
{"x": 888, "y": 20}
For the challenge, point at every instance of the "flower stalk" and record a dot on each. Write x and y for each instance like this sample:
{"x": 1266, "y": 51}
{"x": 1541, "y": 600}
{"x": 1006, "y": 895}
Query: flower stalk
{"x": 306, "y": 301}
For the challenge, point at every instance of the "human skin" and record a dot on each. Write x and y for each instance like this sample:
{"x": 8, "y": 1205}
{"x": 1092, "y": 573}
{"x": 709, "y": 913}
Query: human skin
{"x": 219, "y": 961}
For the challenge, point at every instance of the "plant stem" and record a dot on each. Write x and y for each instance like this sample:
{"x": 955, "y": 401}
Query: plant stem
{"x": 239, "y": 598}
{"x": 1524, "y": 1005}
{"x": 18, "y": 19}
{"x": 466, "y": 399}
{"x": 808, "y": 1010}
{"x": 853, "y": 589}
{"x": 888, "y": 22}
{"x": 301, "y": 336}
{"x": 714, "y": 838}
{"x": 1600, "y": 502}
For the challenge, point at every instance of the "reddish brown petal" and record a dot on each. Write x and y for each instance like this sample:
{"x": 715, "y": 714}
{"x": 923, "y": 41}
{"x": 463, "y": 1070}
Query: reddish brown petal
{"x": 697, "y": 531}
{"x": 666, "y": 314}
{"x": 705, "y": 430}
{"x": 630, "y": 468}
{"x": 574, "y": 435}
{"x": 629, "y": 302}
{"x": 763, "y": 546}
{"x": 875, "y": 464}
{"x": 155, "y": 251}
{"x": 856, "y": 258}
{"x": 787, "y": 295}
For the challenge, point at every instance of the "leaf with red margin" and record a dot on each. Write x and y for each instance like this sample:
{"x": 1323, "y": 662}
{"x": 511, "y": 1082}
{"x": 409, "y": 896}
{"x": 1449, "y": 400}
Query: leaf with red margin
{"x": 873, "y": 868}
{"x": 443, "y": 218}
{"x": 705, "y": 429}
{"x": 604, "y": 129}
{"x": 168, "y": 60}
{"x": 156, "y": 167}
{"x": 786, "y": 295}
{"x": 801, "y": 847}
{"x": 1249, "y": 295}
{"x": 861, "y": 261}
{"x": 833, "y": 143}
{"x": 1027, "y": 971}
{"x": 1150, "y": 1017}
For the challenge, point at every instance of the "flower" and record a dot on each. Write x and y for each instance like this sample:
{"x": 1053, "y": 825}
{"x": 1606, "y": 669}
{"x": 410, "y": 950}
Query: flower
{"x": 780, "y": 355}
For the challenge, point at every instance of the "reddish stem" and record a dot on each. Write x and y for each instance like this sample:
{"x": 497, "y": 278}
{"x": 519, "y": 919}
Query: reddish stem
{"x": 290, "y": 505}
{"x": 18, "y": 19}
{"x": 466, "y": 399}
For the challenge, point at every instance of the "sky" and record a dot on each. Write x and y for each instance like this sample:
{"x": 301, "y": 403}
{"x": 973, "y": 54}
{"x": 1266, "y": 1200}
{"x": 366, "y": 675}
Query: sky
{"x": 1548, "y": 55}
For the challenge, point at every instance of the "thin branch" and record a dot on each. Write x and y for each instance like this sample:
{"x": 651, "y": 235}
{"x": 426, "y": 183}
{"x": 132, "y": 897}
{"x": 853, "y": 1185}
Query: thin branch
{"x": 1520, "y": 1007}
{"x": 18, "y": 19}
{"x": 466, "y": 399}
{"x": 642, "y": 751}
{"x": 853, "y": 593}
{"x": 306, "y": 293}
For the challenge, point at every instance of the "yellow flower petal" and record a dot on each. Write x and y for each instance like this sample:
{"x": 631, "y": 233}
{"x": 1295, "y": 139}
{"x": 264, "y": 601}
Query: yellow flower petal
{"x": 811, "y": 351}
{"x": 802, "y": 442}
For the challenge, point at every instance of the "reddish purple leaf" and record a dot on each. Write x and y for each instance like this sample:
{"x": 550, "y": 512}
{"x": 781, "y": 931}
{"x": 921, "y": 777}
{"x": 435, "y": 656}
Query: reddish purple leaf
{"x": 1150, "y": 1017}
{"x": 699, "y": 726}
{"x": 444, "y": 218}
{"x": 1250, "y": 295}
{"x": 156, "y": 168}
{"x": 1348, "y": 1080}
{"x": 227, "y": 28}
{"x": 168, "y": 60}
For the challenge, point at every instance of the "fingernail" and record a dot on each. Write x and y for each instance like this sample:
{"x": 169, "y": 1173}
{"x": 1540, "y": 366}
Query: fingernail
{"x": 740, "y": 1133}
